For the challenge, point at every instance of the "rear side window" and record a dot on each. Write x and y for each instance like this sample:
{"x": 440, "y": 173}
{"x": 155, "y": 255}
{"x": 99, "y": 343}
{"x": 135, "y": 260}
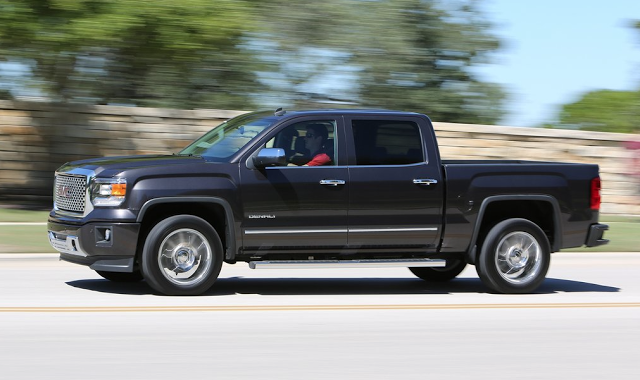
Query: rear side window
{"x": 387, "y": 142}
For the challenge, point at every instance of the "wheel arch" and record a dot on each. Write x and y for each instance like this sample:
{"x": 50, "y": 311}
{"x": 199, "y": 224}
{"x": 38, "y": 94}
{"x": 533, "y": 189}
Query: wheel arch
{"x": 215, "y": 211}
{"x": 542, "y": 210}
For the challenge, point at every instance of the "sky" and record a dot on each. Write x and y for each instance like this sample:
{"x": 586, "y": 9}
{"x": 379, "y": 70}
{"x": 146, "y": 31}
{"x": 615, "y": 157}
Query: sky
{"x": 554, "y": 51}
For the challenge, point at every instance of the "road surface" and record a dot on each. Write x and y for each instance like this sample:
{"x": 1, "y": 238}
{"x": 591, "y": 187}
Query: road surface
{"x": 62, "y": 321}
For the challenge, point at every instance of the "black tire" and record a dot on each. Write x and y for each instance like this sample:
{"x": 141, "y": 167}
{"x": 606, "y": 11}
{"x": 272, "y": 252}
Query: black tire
{"x": 192, "y": 256}
{"x": 514, "y": 257}
{"x": 121, "y": 276}
{"x": 449, "y": 272}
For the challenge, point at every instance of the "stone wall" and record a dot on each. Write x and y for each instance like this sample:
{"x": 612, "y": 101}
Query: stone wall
{"x": 619, "y": 165}
{"x": 36, "y": 138}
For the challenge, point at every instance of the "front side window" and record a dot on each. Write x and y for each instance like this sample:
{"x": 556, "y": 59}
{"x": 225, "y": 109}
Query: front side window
{"x": 387, "y": 142}
{"x": 228, "y": 138}
{"x": 308, "y": 143}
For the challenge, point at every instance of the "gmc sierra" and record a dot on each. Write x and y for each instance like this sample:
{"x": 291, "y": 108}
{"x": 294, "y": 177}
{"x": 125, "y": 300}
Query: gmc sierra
{"x": 323, "y": 188}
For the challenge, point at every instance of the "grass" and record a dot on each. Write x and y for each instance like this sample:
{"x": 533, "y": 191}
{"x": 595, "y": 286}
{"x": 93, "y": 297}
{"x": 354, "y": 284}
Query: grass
{"x": 21, "y": 238}
{"x": 624, "y": 233}
{"x": 24, "y": 239}
{"x": 14, "y": 215}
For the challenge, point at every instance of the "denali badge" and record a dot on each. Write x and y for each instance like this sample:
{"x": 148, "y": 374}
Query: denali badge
{"x": 262, "y": 216}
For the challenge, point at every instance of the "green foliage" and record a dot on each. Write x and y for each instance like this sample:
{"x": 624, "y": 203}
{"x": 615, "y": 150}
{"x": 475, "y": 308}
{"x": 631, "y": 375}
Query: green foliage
{"x": 413, "y": 55}
{"x": 603, "y": 110}
{"x": 5, "y": 94}
{"x": 159, "y": 53}
{"x": 422, "y": 62}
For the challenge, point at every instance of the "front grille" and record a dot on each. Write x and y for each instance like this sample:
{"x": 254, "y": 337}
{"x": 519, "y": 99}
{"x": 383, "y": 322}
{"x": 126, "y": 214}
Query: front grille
{"x": 69, "y": 192}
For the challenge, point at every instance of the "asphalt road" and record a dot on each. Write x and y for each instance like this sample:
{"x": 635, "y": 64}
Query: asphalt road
{"x": 62, "y": 321}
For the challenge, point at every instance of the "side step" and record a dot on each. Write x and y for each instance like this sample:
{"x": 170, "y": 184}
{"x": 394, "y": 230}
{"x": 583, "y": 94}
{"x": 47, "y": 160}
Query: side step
{"x": 286, "y": 264}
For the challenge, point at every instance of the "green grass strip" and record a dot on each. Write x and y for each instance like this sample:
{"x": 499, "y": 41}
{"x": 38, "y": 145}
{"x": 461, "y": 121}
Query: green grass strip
{"x": 14, "y": 215}
{"x": 624, "y": 233}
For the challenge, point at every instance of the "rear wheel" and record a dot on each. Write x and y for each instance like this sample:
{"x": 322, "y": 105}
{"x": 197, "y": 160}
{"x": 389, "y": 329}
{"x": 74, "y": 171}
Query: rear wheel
{"x": 435, "y": 274}
{"x": 182, "y": 255}
{"x": 121, "y": 276}
{"x": 515, "y": 257}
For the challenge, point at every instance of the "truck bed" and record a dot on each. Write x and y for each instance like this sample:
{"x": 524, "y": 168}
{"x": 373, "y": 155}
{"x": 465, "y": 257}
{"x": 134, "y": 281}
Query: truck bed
{"x": 471, "y": 185}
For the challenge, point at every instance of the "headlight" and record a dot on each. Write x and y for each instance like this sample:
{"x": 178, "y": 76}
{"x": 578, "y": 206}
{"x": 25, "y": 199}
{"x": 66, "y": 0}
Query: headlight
{"x": 108, "y": 191}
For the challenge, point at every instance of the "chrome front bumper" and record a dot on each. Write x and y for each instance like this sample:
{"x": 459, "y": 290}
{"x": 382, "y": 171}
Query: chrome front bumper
{"x": 68, "y": 244}
{"x": 89, "y": 245}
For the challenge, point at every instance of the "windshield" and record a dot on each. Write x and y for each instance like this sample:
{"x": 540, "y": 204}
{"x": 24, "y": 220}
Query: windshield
{"x": 228, "y": 138}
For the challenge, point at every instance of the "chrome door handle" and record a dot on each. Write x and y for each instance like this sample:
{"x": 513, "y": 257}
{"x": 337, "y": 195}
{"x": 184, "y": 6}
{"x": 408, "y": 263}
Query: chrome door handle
{"x": 332, "y": 182}
{"x": 425, "y": 182}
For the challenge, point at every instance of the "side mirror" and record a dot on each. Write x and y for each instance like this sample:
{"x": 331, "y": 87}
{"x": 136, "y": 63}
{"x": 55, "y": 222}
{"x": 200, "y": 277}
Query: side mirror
{"x": 270, "y": 157}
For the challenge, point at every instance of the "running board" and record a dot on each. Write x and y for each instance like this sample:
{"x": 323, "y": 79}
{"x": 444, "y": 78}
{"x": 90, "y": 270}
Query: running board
{"x": 286, "y": 264}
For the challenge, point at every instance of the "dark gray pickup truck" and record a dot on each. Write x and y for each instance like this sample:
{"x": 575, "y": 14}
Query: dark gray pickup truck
{"x": 324, "y": 188}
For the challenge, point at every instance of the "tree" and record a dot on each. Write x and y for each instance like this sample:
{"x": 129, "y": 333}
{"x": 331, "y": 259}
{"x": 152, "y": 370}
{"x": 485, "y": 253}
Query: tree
{"x": 304, "y": 52}
{"x": 422, "y": 62}
{"x": 603, "y": 110}
{"x": 413, "y": 55}
{"x": 157, "y": 53}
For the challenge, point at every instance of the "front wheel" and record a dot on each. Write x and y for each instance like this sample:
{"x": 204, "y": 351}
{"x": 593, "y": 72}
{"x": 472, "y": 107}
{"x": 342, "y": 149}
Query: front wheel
{"x": 182, "y": 255}
{"x": 515, "y": 257}
{"x": 435, "y": 274}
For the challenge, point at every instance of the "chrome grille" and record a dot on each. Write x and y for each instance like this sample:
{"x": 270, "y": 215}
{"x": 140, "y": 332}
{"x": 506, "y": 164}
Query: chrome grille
{"x": 69, "y": 192}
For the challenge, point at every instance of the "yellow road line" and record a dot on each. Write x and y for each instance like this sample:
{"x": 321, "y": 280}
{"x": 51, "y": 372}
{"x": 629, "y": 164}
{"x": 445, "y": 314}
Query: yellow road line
{"x": 140, "y": 309}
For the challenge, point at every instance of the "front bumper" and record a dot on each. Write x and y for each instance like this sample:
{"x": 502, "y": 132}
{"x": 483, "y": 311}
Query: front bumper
{"x": 594, "y": 238}
{"x": 101, "y": 246}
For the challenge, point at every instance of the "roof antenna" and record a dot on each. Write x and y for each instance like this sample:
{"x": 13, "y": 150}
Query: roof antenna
{"x": 280, "y": 112}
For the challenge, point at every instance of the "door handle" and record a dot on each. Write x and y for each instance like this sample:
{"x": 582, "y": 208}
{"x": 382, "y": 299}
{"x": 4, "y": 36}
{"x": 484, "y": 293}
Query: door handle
{"x": 425, "y": 182}
{"x": 332, "y": 182}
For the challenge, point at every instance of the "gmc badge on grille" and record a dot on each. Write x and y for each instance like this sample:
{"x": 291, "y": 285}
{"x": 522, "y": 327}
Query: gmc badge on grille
{"x": 64, "y": 191}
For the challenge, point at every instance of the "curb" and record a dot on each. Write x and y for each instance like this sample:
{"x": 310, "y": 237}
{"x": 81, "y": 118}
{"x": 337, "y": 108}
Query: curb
{"x": 20, "y": 256}
{"x": 23, "y": 224}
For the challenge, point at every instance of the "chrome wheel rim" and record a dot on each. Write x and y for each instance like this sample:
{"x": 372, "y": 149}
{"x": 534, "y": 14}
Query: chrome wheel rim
{"x": 518, "y": 257}
{"x": 185, "y": 257}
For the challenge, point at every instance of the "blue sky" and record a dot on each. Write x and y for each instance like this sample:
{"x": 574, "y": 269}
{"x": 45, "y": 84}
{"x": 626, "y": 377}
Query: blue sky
{"x": 556, "y": 50}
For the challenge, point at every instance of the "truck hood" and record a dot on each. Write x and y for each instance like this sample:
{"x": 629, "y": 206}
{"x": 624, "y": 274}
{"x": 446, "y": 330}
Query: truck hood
{"x": 122, "y": 163}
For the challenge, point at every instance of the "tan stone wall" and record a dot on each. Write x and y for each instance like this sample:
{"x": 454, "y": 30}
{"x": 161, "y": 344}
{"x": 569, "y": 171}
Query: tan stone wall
{"x": 36, "y": 138}
{"x": 618, "y": 170}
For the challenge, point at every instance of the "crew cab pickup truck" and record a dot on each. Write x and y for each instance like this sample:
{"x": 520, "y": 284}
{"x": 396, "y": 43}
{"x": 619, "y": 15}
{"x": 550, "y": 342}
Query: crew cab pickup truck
{"x": 323, "y": 188}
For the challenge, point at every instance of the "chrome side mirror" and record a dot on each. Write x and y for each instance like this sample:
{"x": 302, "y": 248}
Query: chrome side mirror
{"x": 270, "y": 157}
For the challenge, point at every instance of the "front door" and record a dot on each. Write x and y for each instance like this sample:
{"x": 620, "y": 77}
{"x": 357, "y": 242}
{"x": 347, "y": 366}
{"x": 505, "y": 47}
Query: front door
{"x": 303, "y": 205}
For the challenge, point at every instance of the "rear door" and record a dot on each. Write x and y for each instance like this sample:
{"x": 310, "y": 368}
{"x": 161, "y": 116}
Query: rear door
{"x": 396, "y": 189}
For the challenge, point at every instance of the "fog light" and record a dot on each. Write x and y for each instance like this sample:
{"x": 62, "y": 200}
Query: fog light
{"x": 104, "y": 236}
